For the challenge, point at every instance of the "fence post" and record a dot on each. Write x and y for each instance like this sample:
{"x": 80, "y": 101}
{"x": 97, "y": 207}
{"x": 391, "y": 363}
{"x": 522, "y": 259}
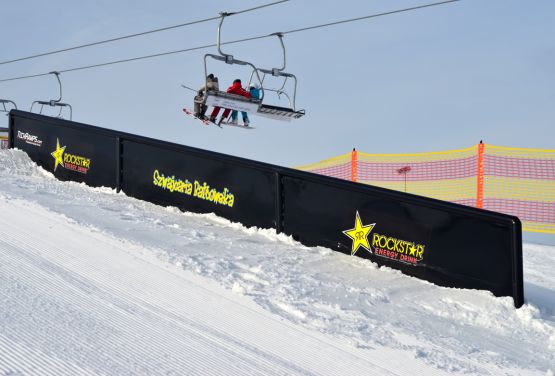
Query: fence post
{"x": 354, "y": 163}
{"x": 480, "y": 176}
{"x": 279, "y": 202}
{"x": 10, "y": 131}
{"x": 119, "y": 157}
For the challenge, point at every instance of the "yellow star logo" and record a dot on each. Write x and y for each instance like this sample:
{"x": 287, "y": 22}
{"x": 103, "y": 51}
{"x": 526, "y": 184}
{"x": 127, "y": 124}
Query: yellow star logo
{"x": 359, "y": 235}
{"x": 58, "y": 155}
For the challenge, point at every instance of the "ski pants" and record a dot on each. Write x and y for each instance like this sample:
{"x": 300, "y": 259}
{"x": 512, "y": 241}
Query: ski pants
{"x": 245, "y": 116}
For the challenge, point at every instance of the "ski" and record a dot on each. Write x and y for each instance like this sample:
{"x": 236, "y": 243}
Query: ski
{"x": 204, "y": 121}
{"x": 237, "y": 125}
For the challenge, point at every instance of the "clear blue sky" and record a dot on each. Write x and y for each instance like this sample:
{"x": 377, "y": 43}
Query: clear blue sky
{"x": 433, "y": 79}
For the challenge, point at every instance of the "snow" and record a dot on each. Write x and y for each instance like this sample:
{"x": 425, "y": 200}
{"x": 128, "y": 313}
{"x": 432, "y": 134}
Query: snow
{"x": 93, "y": 282}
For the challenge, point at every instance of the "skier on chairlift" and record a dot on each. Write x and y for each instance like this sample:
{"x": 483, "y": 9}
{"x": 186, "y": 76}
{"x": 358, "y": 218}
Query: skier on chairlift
{"x": 235, "y": 88}
{"x": 254, "y": 91}
{"x": 210, "y": 85}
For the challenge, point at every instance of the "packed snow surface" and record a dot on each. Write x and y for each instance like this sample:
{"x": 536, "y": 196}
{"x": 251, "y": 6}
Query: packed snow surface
{"x": 93, "y": 282}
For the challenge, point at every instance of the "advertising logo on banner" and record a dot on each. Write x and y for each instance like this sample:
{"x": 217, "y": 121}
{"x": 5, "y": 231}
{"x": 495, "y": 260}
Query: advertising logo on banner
{"x": 200, "y": 190}
{"x": 29, "y": 138}
{"x": 384, "y": 245}
{"x": 69, "y": 161}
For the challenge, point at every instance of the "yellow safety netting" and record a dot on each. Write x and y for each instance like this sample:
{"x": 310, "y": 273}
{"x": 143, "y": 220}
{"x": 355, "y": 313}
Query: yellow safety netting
{"x": 514, "y": 181}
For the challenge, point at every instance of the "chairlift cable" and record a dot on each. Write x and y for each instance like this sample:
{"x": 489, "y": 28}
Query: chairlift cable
{"x": 258, "y": 7}
{"x": 367, "y": 17}
{"x": 133, "y": 59}
{"x": 234, "y": 41}
{"x": 137, "y": 34}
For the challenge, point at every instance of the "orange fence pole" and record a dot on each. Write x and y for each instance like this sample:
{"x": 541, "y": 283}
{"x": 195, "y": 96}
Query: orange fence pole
{"x": 354, "y": 163}
{"x": 480, "y": 178}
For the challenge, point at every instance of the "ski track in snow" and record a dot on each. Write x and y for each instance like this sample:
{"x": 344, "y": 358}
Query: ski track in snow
{"x": 149, "y": 320}
{"x": 374, "y": 318}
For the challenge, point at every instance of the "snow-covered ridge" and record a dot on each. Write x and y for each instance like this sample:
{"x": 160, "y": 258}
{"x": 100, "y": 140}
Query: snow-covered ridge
{"x": 377, "y": 316}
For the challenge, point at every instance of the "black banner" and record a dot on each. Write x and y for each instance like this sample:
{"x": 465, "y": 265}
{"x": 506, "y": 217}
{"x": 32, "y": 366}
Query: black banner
{"x": 197, "y": 183}
{"x": 443, "y": 243}
{"x": 69, "y": 152}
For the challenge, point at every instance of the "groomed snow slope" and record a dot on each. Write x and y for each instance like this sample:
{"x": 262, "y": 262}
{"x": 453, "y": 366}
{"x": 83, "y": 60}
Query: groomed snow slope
{"x": 94, "y": 282}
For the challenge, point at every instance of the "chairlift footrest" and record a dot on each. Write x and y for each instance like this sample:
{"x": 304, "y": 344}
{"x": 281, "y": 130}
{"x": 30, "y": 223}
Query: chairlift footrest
{"x": 279, "y": 113}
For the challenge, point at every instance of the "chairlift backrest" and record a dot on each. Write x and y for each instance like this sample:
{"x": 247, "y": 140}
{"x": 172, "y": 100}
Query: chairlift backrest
{"x": 55, "y": 102}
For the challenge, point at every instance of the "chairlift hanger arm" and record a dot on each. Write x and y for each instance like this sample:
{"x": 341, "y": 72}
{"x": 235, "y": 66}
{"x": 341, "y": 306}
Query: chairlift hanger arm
{"x": 280, "y": 37}
{"x": 57, "y": 74}
{"x": 223, "y": 15}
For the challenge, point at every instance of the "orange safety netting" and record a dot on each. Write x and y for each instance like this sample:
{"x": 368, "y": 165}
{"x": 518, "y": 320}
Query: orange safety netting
{"x": 514, "y": 181}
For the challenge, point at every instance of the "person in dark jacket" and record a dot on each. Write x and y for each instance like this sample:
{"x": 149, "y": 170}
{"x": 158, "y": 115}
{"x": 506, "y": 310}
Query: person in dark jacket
{"x": 210, "y": 85}
{"x": 235, "y": 88}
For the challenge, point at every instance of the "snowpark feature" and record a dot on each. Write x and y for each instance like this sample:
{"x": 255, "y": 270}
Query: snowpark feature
{"x": 446, "y": 244}
{"x": 94, "y": 282}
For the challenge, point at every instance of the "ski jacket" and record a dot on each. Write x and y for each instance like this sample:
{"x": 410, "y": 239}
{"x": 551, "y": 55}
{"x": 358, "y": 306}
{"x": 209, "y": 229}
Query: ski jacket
{"x": 237, "y": 89}
{"x": 211, "y": 84}
{"x": 255, "y": 93}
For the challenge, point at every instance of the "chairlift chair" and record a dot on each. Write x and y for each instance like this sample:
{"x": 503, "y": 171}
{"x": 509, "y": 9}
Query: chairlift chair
{"x": 5, "y": 104}
{"x": 278, "y": 112}
{"x": 55, "y": 102}
{"x": 253, "y": 105}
